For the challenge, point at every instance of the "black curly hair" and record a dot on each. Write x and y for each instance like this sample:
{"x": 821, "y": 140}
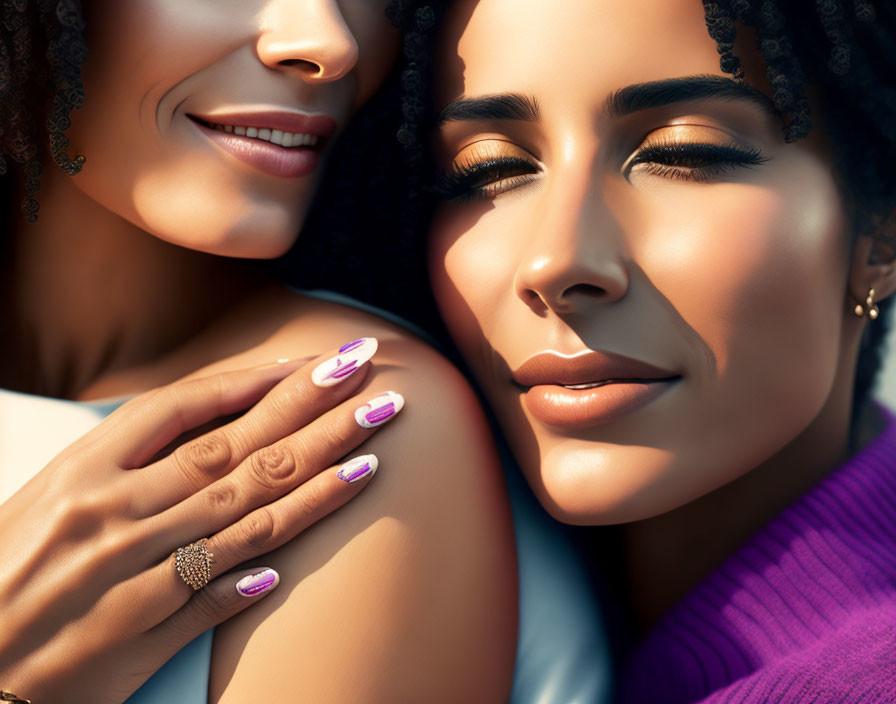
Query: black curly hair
{"x": 42, "y": 48}
{"x": 844, "y": 50}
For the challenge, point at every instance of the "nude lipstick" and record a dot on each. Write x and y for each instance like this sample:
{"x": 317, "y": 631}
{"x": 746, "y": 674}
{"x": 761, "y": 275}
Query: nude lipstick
{"x": 283, "y": 144}
{"x": 589, "y": 389}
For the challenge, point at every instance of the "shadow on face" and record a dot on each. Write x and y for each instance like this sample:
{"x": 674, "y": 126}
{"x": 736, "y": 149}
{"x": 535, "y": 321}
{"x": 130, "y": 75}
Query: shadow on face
{"x": 648, "y": 281}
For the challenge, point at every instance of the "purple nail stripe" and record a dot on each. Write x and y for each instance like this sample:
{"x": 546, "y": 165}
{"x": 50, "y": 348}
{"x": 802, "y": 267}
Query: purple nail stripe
{"x": 380, "y": 414}
{"x": 355, "y": 474}
{"x": 343, "y": 370}
{"x": 257, "y": 583}
{"x": 349, "y": 346}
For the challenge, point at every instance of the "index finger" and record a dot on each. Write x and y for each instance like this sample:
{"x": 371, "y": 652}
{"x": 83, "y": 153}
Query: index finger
{"x": 144, "y": 425}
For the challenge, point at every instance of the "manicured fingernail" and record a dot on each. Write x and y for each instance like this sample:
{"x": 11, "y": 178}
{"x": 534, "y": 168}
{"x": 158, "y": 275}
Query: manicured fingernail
{"x": 358, "y": 468}
{"x": 349, "y": 359}
{"x": 379, "y": 409}
{"x": 258, "y": 583}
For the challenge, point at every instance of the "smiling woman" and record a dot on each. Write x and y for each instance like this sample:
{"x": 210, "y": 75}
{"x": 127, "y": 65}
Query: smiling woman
{"x": 168, "y": 416}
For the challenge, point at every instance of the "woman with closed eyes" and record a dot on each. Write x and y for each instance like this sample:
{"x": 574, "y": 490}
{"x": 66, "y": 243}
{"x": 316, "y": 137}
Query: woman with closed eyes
{"x": 665, "y": 249}
{"x": 151, "y": 150}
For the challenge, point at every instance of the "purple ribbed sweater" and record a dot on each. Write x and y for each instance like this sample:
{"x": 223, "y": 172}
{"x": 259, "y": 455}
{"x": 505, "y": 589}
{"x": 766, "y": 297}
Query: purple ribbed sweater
{"x": 804, "y": 613}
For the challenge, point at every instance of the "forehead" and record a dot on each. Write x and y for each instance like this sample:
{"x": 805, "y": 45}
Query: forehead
{"x": 578, "y": 49}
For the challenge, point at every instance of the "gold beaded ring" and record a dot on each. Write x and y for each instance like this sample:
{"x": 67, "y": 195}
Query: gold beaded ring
{"x": 10, "y": 697}
{"x": 193, "y": 563}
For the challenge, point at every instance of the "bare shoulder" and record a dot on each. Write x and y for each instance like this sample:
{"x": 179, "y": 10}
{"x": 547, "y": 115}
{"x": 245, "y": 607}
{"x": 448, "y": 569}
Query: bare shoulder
{"x": 408, "y": 593}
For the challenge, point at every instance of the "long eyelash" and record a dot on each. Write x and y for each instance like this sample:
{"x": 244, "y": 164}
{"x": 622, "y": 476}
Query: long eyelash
{"x": 469, "y": 181}
{"x": 696, "y": 161}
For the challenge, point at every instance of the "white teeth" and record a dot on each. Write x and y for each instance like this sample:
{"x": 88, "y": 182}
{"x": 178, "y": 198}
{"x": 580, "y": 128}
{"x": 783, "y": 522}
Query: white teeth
{"x": 278, "y": 137}
{"x": 589, "y": 385}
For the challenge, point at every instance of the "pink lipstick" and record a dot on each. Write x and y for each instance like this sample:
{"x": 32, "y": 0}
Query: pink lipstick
{"x": 282, "y": 144}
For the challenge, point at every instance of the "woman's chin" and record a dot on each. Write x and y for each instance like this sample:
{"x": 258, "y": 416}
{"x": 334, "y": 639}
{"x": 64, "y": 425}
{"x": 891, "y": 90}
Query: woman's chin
{"x": 260, "y": 232}
{"x": 608, "y": 485}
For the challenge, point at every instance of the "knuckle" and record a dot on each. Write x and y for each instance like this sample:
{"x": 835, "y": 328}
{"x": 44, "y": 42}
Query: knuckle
{"x": 257, "y": 529}
{"x": 309, "y": 500}
{"x": 115, "y": 545}
{"x": 80, "y": 515}
{"x": 207, "y": 456}
{"x": 205, "y": 606}
{"x": 221, "y": 496}
{"x": 331, "y": 437}
{"x": 273, "y": 466}
{"x": 281, "y": 405}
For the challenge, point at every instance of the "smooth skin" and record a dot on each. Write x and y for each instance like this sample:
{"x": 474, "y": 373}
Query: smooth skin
{"x": 116, "y": 291}
{"x": 740, "y": 281}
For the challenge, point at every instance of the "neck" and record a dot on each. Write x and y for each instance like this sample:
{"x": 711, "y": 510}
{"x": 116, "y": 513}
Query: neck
{"x": 666, "y": 556}
{"x": 89, "y": 294}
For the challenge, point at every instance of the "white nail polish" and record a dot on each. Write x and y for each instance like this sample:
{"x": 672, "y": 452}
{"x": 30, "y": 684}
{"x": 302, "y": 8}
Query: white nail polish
{"x": 379, "y": 409}
{"x": 259, "y": 582}
{"x": 358, "y": 468}
{"x": 348, "y": 360}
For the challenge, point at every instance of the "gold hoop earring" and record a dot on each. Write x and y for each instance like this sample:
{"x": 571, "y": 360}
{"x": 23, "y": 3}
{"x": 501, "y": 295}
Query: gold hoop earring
{"x": 869, "y": 309}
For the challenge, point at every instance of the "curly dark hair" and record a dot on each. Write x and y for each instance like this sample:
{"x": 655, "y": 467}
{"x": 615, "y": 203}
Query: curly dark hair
{"x": 42, "y": 48}
{"x": 847, "y": 55}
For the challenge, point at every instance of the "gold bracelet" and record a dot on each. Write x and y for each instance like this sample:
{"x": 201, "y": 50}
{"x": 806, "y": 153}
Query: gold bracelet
{"x": 10, "y": 697}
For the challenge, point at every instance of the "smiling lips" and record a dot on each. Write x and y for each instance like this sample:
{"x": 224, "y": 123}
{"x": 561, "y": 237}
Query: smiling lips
{"x": 282, "y": 144}
{"x": 589, "y": 389}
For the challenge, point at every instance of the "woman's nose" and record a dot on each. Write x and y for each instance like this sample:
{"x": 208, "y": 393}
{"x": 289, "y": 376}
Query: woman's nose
{"x": 309, "y": 38}
{"x": 573, "y": 260}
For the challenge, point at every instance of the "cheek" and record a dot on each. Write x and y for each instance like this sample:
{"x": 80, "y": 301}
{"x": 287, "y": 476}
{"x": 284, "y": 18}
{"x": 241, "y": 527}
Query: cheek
{"x": 471, "y": 270}
{"x": 758, "y": 275}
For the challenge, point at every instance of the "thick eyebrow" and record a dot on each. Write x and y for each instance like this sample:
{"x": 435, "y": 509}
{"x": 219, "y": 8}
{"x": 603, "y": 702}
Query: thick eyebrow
{"x": 502, "y": 106}
{"x": 625, "y": 101}
{"x": 643, "y": 96}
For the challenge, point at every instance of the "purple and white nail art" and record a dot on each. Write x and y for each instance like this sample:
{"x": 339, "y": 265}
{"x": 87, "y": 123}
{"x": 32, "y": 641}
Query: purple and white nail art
{"x": 379, "y": 409}
{"x": 358, "y": 468}
{"x": 258, "y": 583}
{"x": 346, "y": 362}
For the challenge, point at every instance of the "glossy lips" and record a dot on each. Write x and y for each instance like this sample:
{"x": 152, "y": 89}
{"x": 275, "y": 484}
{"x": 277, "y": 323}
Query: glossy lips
{"x": 293, "y": 161}
{"x": 607, "y": 386}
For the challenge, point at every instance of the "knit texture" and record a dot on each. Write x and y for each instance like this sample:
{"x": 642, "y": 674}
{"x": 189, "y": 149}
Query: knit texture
{"x": 804, "y": 613}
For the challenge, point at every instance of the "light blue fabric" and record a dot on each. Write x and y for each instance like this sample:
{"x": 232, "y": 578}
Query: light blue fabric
{"x": 562, "y": 654}
{"x": 183, "y": 679}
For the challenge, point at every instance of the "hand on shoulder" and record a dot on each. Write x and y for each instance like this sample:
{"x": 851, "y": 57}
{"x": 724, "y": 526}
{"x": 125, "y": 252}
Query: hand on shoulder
{"x": 408, "y": 594}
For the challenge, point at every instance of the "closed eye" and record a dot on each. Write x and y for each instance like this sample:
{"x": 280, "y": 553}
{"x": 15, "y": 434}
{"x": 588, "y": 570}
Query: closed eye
{"x": 486, "y": 178}
{"x": 694, "y": 161}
